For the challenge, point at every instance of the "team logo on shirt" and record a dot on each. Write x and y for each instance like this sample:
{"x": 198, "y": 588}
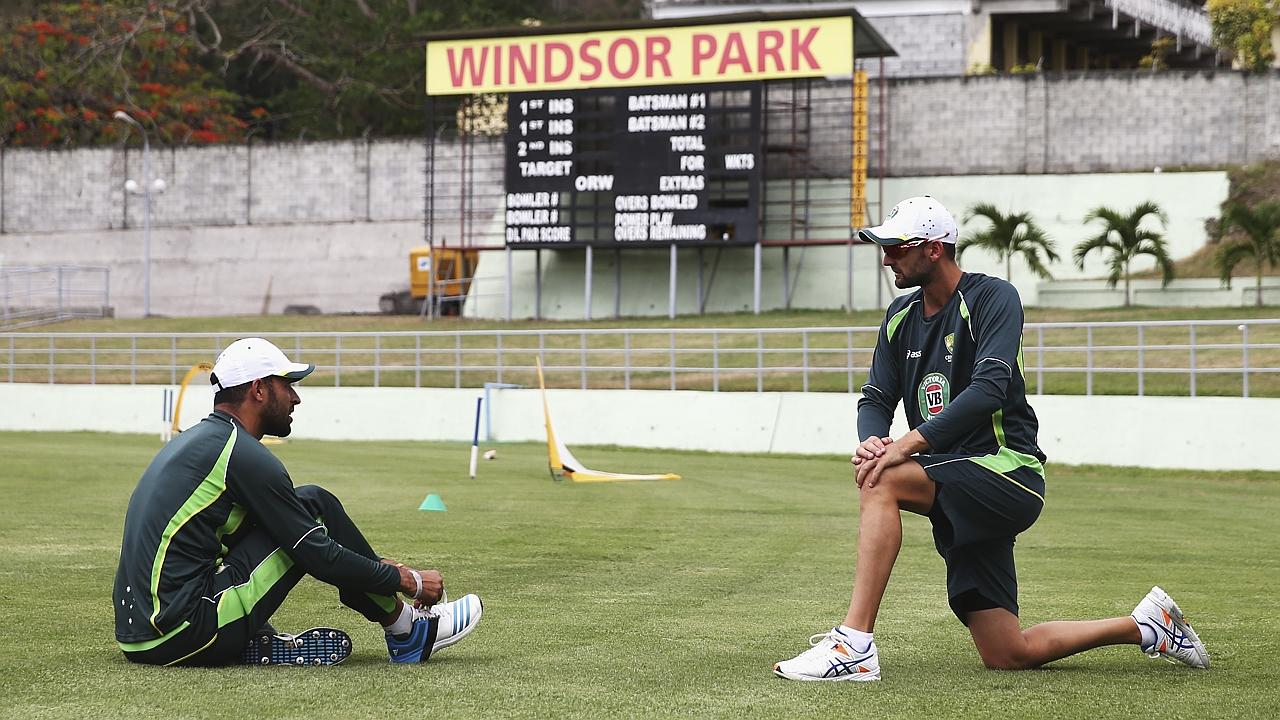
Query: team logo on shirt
{"x": 950, "y": 342}
{"x": 933, "y": 394}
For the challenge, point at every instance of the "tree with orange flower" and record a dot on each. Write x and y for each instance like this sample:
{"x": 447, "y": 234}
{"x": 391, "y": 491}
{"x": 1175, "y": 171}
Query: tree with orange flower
{"x": 65, "y": 70}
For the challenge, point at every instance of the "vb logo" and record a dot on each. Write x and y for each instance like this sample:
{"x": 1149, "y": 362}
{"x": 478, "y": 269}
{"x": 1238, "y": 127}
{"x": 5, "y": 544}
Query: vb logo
{"x": 933, "y": 394}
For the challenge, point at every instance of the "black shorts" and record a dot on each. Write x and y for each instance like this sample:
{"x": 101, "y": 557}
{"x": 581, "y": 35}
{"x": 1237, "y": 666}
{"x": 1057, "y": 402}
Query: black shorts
{"x": 976, "y": 514}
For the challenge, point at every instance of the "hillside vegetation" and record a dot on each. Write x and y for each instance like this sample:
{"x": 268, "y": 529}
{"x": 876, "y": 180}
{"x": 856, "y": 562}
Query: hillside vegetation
{"x": 1250, "y": 185}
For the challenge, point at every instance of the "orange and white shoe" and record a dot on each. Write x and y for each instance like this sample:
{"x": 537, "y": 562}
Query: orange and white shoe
{"x": 1175, "y": 640}
{"x": 832, "y": 657}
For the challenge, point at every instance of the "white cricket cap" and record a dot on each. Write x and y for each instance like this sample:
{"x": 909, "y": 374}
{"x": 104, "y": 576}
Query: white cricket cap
{"x": 252, "y": 359}
{"x": 917, "y": 218}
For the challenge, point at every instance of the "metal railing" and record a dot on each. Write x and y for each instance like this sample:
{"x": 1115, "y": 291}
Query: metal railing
{"x": 1180, "y": 19}
{"x": 31, "y": 296}
{"x": 1239, "y": 358}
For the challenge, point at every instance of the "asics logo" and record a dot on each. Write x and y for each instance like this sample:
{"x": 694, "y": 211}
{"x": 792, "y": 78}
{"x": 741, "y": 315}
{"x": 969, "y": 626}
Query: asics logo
{"x": 846, "y": 667}
{"x": 1178, "y": 639}
{"x": 1174, "y": 640}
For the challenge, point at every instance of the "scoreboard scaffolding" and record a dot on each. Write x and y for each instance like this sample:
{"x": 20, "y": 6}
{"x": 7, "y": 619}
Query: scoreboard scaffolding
{"x": 701, "y": 134}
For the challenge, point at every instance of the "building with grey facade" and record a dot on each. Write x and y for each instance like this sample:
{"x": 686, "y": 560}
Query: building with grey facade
{"x": 959, "y": 37}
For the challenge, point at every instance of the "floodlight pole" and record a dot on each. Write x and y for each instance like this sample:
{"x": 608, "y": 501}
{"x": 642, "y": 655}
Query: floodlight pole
{"x": 146, "y": 225}
{"x": 146, "y": 209}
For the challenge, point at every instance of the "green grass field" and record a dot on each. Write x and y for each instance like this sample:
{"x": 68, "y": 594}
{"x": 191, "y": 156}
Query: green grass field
{"x": 649, "y": 599}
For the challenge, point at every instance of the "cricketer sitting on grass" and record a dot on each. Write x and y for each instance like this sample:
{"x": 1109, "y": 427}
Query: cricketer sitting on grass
{"x": 216, "y": 536}
{"x": 952, "y": 353}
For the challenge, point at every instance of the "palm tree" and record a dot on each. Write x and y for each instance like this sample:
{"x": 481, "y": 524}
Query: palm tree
{"x": 1261, "y": 239}
{"x": 1009, "y": 235}
{"x": 1125, "y": 239}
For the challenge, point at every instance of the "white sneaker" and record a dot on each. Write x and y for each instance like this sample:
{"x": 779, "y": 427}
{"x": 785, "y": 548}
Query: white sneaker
{"x": 456, "y": 619}
{"x": 435, "y": 628}
{"x": 832, "y": 657}
{"x": 1175, "y": 640}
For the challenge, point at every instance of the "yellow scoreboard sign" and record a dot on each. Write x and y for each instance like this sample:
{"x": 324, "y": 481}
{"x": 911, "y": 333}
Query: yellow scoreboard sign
{"x": 735, "y": 52}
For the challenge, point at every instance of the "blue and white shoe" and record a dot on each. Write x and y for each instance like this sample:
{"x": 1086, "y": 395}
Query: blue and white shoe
{"x": 1175, "y": 640}
{"x": 832, "y": 657}
{"x": 317, "y": 646}
{"x": 436, "y": 628}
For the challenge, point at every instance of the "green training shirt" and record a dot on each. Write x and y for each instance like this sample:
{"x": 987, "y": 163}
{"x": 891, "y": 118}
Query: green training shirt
{"x": 212, "y": 482}
{"x": 958, "y": 374}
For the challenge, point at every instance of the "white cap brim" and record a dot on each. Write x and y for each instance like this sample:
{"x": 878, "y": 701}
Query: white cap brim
{"x": 296, "y": 371}
{"x": 883, "y": 235}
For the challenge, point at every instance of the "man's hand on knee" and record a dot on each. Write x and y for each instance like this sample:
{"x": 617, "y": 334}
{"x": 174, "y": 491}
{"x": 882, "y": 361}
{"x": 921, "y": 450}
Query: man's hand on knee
{"x": 869, "y": 449}
{"x": 870, "y": 471}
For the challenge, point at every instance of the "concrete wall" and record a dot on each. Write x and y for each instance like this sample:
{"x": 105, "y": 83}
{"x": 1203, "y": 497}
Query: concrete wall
{"x": 237, "y": 270}
{"x": 927, "y": 45}
{"x": 61, "y": 190}
{"x": 1030, "y": 124}
{"x": 1077, "y": 122}
{"x": 1104, "y": 430}
{"x": 331, "y": 222}
{"x": 346, "y": 266}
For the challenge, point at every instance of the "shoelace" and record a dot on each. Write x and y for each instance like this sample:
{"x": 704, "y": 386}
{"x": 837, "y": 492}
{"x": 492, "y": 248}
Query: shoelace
{"x": 420, "y": 612}
{"x": 825, "y": 641}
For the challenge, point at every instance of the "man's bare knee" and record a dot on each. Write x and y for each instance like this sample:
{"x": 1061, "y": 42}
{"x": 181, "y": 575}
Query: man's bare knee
{"x": 903, "y": 485}
{"x": 1012, "y": 655}
{"x": 1010, "y": 659}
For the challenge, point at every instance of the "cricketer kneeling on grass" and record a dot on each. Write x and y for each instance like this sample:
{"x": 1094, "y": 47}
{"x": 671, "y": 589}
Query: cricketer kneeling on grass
{"x": 216, "y": 536}
{"x": 951, "y": 352}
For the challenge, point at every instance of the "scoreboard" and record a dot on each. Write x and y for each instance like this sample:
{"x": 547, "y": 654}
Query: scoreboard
{"x": 634, "y": 167}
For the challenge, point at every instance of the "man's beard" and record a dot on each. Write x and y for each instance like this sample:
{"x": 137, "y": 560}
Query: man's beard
{"x": 275, "y": 415}
{"x": 910, "y": 280}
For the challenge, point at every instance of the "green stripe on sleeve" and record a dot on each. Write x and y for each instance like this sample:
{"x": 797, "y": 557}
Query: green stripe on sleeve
{"x": 997, "y": 424}
{"x": 897, "y": 319}
{"x": 205, "y": 494}
{"x": 234, "y": 519}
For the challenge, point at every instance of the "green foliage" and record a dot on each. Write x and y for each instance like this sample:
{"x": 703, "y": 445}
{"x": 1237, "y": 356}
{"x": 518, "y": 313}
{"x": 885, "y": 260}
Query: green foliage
{"x": 1244, "y": 27}
{"x": 1257, "y": 239}
{"x": 1254, "y": 183}
{"x": 338, "y": 68}
{"x": 201, "y": 71}
{"x": 64, "y": 72}
{"x": 1009, "y": 235}
{"x": 1158, "y": 58}
{"x": 1123, "y": 238}
{"x": 344, "y": 68}
{"x": 1025, "y": 69}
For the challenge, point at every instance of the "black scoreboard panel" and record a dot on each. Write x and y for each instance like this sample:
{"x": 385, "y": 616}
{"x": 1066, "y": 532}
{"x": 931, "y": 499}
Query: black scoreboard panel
{"x": 634, "y": 167}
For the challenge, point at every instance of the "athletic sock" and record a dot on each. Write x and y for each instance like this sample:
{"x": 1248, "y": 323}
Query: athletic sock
{"x": 403, "y": 624}
{"x": 857, "y": 638}
{"x": 1148, "y": 635}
